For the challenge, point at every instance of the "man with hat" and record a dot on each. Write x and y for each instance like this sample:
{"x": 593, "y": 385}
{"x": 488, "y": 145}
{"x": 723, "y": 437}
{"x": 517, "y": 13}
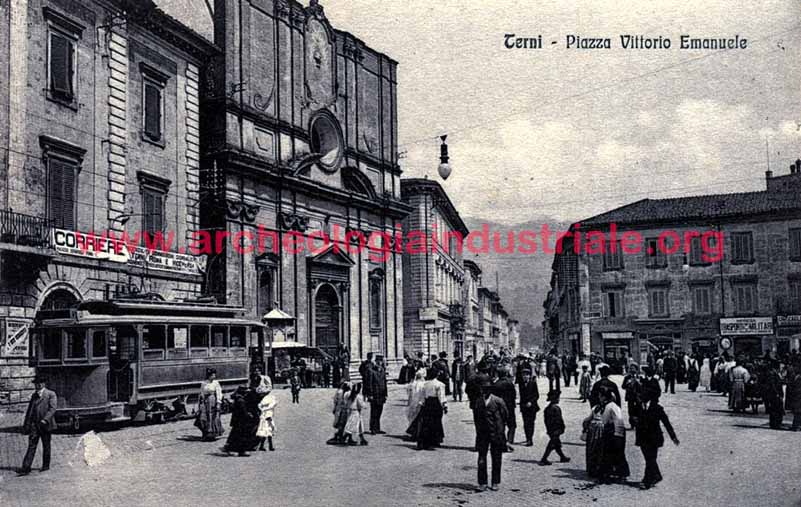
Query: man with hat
{"x": 529, "y": 396}
{"x": 604, "y": 382}
{"x": 491, "y": 417}
{"x": 649, "y": 436}
{"x": 39, "y": 423}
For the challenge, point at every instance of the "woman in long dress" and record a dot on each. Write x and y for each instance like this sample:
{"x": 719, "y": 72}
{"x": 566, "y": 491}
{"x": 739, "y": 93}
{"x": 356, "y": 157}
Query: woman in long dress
{"x": 430, "y": 432}
{"x": 594, "y": 429}
{"x": 416, "y": 392}
{"x": 738, "y": 377}
{"x": 266, "y": 429}
{"x": 244, "y": 422}
{"x": 209, "y": 402}
{"x": 693, "y": 375}
{"x": 355, "y": 424}
{"x": 614, "y": 467}
{"x": 706, "y": 375}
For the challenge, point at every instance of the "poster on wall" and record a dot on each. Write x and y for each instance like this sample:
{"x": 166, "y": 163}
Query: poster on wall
{"x": 14, "y": 338}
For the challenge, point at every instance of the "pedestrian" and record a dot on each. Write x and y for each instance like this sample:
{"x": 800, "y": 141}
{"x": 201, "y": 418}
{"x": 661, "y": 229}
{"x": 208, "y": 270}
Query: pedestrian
{"x": 490, "y": 416}
{"x": 295, "y": 384}
{"x": 773, "y": 394}
{"x": 552, "y": 366}
{"x": 555, "y": 427}
{"x": 792, "y": 402}
{"x": 417, "y": 396}
{"x": 614, "y": 467}
{"x": 366, "y": 365}
{"x": 457, "y": 377}
{"x": 443, "y": 371}
{"x": 469, "y": 369}
{"x": 377, "y": 378}
{"x": 529, "y": 396}
{"x": 633, "y": 388}
{"x": 649, "y": 436}
{"x": 565, "y": 370}
{"x": 406, "y": 374}
{"x": 355, "y": 424}
{"x": 266, "y": 429}
{"x": 670, "y": 369}
{"x": 326, "y": 373}
{"x": 593, "y": 436}
{"x": 604, "y": 381}
{"x": 209, "y": 407}
{"x": 693, "y": 374}
{"x": 705, "y": 376}
{"x": 39, "y": 423}
{"x": 505, "y": 390}
{"x": 572, "y": 367}
{"x": 430, "y": 432}
{"x": 738, "y": 378}
{"x": 336, "y": 372}
{"x": 264, "y": 384}
{"x": 244, "y": 423}
{"x": 585, "y": 388}
{"x": 340, "y": 413}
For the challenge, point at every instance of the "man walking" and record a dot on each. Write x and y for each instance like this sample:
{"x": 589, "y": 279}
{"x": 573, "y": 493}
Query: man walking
{"x": 378, "y": 394}
{"x": 39, "y": 423}
{"x": 443, "y": 371}
{"x": 670, "y": 367}
{"x": 490, "y": 416}
{"x": 457, "y": 376}
{"x": 529, "y": 396}
{"x": 505, "y": 390}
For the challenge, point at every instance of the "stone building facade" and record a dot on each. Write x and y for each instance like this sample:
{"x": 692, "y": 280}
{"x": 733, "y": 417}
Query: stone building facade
{"x": 743, "y": 296}
{"x": 434, "y": 312}
{"x": 300, "y": 129}
{"x": 99, "y": 132}
{"x": 473, "y": 329}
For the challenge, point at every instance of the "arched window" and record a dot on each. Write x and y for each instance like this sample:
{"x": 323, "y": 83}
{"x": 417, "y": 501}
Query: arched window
{"x": 376, "y": 300}
{"x": 265, "y": 291}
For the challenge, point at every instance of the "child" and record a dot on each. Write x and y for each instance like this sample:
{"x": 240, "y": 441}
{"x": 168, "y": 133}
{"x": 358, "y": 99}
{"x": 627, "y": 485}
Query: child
{"x": 555, "y": 426}
{"x": 586, "y": 383}
{"x": 649, "y": 434}
{"x": 355, "y": 425}
{"x": 266, "y": 428}
{"x": 294, "y": 381}
{"x": 340, "y": 414}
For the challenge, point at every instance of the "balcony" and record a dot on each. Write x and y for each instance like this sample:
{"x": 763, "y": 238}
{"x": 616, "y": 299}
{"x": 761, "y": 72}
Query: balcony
{"x": 24, "y": 233}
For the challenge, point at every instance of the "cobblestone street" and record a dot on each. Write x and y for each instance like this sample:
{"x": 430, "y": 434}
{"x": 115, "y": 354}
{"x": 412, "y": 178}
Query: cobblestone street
{"x": 723, "y": 460}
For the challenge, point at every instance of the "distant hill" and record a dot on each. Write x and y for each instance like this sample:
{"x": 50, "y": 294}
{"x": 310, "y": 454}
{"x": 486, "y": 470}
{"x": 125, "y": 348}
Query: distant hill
{"x": 523, "y": 279}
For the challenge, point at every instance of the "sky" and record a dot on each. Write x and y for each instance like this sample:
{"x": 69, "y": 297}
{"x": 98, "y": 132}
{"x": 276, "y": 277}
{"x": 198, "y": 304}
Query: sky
{"x": 565, "y": 134}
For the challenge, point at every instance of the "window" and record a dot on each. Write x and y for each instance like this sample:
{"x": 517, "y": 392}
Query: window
{"x": 51, "y": 344}
{"x": 376, "y": 300}
{"x": 61, "y": 190}
{"x": 153, "y": 337}
{"x": 99, "y": 344}
{"x": 613, "y": 303}
{"x": 238, "y": 334}
{"x": 658, "y": 302}
{"x": 697, "y": 251}
{"x": 76, "y": 343}
{"x": 177, "y": 340}
{"x": 219, "y": 337}
{"x": 613, "y": 260}
{"x": 745, "y": 302}
{"x": 795, "y": 295}
{"x": 265, "y": 292}
{"x": 152, "y": 210}
{"x": 702, "y": 299}
{"x": 795, "y": 245}
{"x": 742, "y": 247}
{"x": 153, "y": 84}
{"x": 655, "y": 257}
{"x": 199, "y": 338}
{"x": 62, "y": 57}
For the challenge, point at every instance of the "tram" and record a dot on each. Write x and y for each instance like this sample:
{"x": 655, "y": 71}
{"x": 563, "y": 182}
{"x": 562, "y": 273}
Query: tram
{"x": 141, "y": 360}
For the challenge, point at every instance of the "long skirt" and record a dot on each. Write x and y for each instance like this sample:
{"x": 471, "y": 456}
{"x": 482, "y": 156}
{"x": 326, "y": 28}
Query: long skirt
{"x": 414, "y": 426}
{"x": 355, "y": 424}
{"x": 242, "y": 438}
{"x": 208, "y": 417}
{"x": 706, "y": 378}
{"x": 430, "y": 432}
{"x": 693, "y": 378}
{"x": 595, "y": 448}
{"x": 615, "y": 464}
{"x": 737, "y": 396}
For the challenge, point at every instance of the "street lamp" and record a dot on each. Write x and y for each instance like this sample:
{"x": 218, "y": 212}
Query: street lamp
{"x": 444, "y": 168}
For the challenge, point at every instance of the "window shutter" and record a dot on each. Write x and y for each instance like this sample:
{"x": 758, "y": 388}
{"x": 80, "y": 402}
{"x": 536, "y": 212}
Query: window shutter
{"x": 61, "y": 191}
{"x": 61, "y": 65}
{"x": 68, "y": 197}
{"x": 152, "y": 111}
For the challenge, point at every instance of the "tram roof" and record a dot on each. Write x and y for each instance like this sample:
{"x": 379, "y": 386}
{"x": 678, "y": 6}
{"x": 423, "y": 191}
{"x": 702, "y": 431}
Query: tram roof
{"x": 160, "y": 308}
{"x": 109, "y": 320}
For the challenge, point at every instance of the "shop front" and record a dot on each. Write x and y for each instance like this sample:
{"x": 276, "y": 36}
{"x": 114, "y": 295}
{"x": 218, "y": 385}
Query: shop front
{"x": 748, "y": 335}
{"x": 788, "y": 333}
{"x": 616, "y": 349}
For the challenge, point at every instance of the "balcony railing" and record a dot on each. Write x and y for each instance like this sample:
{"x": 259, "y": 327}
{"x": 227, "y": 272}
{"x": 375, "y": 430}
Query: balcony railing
{"x": 24, "y": 230}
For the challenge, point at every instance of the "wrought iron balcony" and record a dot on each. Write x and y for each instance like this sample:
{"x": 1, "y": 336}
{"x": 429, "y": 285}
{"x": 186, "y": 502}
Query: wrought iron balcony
{"x": 24, "y": 230}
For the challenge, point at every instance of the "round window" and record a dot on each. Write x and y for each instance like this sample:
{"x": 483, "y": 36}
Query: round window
{"x": 326, "y": 141}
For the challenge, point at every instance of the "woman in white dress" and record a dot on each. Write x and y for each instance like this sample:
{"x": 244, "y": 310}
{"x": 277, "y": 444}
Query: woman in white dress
{"x": 706, "y": 375}
{"x": 417, "y": 397}
{"x": 266, "y": 429}
{"x": 355, "y": 424}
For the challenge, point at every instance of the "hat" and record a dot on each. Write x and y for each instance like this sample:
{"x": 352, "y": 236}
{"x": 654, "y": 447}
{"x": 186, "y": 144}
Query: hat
{"x": 526, "y": 370}
{"x": 647, "y": 370}
{"x": 485, "y": 382}
{"x": 553, "y": 395}
{"x": 210, "y": 371}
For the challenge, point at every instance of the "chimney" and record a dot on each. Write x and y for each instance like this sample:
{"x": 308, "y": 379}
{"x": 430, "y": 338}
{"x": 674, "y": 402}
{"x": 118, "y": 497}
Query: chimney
{"x": 768, "y": 174}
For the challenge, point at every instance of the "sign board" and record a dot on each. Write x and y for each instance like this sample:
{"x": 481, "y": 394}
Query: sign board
{"x": 179, "y": 335}
{"x": 430, "y": 313}
{"x": 625, "y": 335}
{"x": 743, "y": 326}
{"x": 788, "y": 320}
{"x": 93, "y": 246}
{"x": 591, "y": 315}
{"x": 15, "y": 339}
{"x": 168, "y": 261}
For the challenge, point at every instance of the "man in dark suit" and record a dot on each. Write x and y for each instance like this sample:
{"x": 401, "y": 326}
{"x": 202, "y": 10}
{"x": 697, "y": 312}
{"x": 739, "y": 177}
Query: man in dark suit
{"x": 529, "y": 395}
{"x": 505, "y": 390}
{"x": 39, "y": 423}
{"x": 491, "y": 417}
{"x": 457, "y": 376}
{"x": 604, "y": 382}
{"x": 669, "y": 367}
{"x": 443, "y": 371}
{"x": 377, "y": 380}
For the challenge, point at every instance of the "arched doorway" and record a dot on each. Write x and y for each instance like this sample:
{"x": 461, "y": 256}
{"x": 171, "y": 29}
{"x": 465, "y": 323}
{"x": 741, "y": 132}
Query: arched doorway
{"x": 326, "y": 319}
{"x": 59, "y": 299}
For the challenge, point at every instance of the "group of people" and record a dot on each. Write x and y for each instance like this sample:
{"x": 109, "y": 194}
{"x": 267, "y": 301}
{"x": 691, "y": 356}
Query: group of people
{"x": 351, "y": 399}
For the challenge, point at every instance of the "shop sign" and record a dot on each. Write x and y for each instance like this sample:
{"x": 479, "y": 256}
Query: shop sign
{"x": 627, "y": 335}
{"x": 93, "y": 246}
{"x": 14, "y": 339}
{"x": 168, "y": 261}
{"x": 788, "y": 320}
{"x": 743, "y": 326}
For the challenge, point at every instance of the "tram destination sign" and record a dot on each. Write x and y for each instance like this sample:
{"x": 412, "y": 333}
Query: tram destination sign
{"x": 741, "y": 326}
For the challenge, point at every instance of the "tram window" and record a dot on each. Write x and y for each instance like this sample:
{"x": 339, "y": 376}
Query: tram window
{"x": 153, "y": 337}
{"x": 99, "y": 344}
{"x": 255, "y": 336}
{"x": 125, "y": 337}
{"x": 219, "y": 337}
{"x": 76, "y": 343}
{"x": 199, "y": 338}
{"x": 51, "y": 344}
{"x": 238, "y": 336}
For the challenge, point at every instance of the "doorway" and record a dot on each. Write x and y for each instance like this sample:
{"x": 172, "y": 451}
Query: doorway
{"x": 326, "y": 319}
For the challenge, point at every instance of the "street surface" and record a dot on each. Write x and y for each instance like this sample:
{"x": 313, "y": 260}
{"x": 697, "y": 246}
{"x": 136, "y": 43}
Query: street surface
{"x": 723, "y": 459}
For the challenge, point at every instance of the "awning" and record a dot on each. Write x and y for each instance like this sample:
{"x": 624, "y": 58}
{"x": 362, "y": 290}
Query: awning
{"x": 276, "y": 315}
